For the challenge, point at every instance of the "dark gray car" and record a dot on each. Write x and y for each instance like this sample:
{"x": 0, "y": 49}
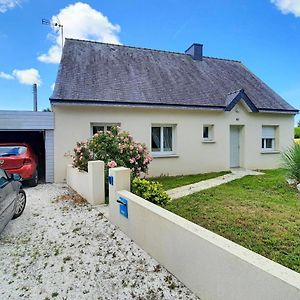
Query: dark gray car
{"x": 12, "y": 198}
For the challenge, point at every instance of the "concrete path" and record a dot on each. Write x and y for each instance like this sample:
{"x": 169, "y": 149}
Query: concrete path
{"x": 207, "y": 184}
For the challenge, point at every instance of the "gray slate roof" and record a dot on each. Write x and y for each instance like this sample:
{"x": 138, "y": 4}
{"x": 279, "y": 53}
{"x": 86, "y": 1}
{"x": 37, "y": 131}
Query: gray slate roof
{"x": 116, "y": 74}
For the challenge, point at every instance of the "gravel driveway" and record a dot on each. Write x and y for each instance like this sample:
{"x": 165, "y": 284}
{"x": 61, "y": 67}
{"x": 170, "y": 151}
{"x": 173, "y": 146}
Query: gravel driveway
{"x": 62, "y": 250}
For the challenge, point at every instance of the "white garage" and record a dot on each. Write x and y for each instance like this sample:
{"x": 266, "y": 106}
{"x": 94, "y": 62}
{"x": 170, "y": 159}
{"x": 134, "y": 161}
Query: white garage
{"x": 35, "y": 128}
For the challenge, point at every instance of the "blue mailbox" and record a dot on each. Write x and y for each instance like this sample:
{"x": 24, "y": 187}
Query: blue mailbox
{"x": 123, "y": 207}
{"x": 111, "y": 180}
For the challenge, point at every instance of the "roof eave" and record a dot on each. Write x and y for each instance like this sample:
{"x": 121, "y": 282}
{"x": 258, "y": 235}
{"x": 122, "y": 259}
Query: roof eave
{"x": 69, "y": 102}
{"x": 60, "y": 102}
{"x": 286, "y": 111}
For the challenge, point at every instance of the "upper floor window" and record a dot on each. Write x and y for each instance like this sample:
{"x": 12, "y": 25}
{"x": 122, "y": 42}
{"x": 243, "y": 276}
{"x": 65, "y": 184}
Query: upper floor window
{"x": 268, "y": 141}
{"x": 162, "y": 139}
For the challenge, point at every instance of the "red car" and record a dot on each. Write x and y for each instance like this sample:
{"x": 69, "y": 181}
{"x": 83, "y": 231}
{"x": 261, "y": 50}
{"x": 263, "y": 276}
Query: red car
{"x": 19, "y": 158}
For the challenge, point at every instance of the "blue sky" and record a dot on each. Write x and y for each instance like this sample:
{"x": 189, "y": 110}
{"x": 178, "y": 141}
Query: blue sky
{"x": 263, "y": 34}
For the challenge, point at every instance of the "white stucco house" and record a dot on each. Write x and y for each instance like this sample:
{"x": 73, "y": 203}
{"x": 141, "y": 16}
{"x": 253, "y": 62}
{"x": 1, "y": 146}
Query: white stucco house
{"x": 196, "y": 113}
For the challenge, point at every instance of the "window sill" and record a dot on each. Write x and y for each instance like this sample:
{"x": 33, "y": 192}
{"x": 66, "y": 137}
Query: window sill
{"x": 208, "y": 141}
{"x": 270, "y": 152}
{"x": 155, "y": 155}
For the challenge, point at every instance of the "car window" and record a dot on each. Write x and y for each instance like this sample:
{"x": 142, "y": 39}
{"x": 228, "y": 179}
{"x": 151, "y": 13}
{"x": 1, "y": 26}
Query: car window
{"x": 3, "y": 177}
{"x": 12, "y": 150}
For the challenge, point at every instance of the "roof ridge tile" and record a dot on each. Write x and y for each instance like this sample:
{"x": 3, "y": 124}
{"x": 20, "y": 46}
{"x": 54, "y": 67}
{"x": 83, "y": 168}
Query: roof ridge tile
{"x": 150, "y": 49}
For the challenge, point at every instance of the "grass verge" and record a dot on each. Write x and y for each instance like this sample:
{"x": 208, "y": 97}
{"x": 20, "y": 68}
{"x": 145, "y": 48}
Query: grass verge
{"x": 261, "y": 213}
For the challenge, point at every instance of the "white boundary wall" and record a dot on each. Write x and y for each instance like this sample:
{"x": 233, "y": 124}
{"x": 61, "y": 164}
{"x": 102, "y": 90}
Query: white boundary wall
{"x": 213, "y": 267}
{"x": 90, "y": 185}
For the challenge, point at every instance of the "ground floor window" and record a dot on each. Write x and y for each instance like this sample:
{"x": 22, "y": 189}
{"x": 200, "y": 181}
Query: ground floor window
{"x": 95, "y": 127}
{"x": 162, "y": 139}
{"x": 207, "y": 133}
{"x": 268, "y": 141}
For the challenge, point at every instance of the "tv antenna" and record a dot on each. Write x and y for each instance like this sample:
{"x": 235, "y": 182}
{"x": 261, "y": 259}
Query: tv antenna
{"x": 58, "y": 25}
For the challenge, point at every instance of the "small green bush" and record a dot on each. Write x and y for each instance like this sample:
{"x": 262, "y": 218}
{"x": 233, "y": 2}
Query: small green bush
{"x": 150, "y": 190}
{"x": 297, "y": 132}
{"x": 291, "y": 160}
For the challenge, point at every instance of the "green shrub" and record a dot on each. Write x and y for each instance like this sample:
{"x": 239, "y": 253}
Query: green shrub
{"x": 116, "y": 148}
{"x": 297, "y": 132}
{"x": 291, "y": 160}
{"x": 150, "y": 190}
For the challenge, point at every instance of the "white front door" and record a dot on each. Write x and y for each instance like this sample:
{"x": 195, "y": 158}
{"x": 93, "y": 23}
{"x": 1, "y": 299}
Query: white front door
{"x": 234, "y": 146}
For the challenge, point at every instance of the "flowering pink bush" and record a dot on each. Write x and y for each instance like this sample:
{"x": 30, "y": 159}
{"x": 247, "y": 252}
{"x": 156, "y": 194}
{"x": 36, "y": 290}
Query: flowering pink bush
{"x": 116, "y": 148}
{"x": 81, "y": 156}
{"x": 112, "y": 164}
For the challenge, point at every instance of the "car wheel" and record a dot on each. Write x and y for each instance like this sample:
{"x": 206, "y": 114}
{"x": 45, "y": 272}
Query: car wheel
{"x": 20, "y": 205}
{"x": 34, "y": 180}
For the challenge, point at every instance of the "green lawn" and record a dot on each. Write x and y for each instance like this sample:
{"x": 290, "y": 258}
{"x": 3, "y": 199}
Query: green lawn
{"x": 261, "y": 213}
{"x": 171, "y": 182}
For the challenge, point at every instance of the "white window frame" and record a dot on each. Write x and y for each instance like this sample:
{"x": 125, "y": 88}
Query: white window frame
{"x": 210, "y": 137}
{"x": 162, "y": 152}
{"x": 105, "y": 125}
{"x": 272, "y": 137}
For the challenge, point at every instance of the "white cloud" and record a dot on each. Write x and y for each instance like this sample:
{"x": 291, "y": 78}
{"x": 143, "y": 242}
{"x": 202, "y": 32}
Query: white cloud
{"x": 80, "y": 21}
{"x": 6, "y": 76}
{"x": 288, "y": 6}
{"x": 52, "y": 86}
{"x": 29, "y": 76}
{"x": 5, "y": 5}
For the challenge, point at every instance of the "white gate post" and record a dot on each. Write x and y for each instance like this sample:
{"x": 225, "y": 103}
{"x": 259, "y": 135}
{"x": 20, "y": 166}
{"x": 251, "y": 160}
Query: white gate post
{"x": 119, "y": 180}
{"x": 96, "y": 182}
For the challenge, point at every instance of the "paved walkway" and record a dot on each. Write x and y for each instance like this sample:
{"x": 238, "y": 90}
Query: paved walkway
{"x": 207, "y": 184}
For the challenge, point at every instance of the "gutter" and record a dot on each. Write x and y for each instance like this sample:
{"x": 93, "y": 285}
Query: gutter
{"x": 59, "y": 102}
{"x": 268, "y": 110}
{"x": 68, "y": 102}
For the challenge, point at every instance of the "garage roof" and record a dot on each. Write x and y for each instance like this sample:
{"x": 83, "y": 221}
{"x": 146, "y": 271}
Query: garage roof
{"x": 26, "y": 120}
